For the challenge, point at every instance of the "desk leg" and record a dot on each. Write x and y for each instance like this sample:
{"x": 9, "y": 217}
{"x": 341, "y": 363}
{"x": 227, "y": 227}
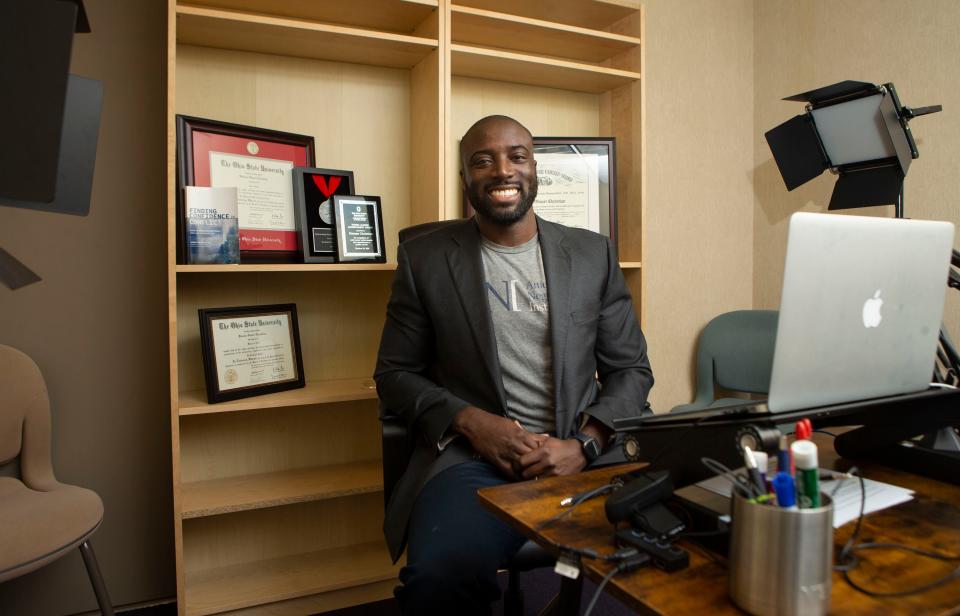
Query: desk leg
{"x": 570, "y": 592}
{"x": 567, "y": 602}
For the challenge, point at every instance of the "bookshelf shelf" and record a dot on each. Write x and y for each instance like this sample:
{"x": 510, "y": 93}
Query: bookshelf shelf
{"x": 532, "y": 70}
{"x": 233, "y": 494}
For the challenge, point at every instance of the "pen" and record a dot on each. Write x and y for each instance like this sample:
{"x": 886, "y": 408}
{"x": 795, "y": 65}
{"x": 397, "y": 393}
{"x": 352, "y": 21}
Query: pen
{"x": 808, "y": 475}
{"x": 785, "y": 489}
{"x": 753, "y": 472}
{"x": 762, "y": 464}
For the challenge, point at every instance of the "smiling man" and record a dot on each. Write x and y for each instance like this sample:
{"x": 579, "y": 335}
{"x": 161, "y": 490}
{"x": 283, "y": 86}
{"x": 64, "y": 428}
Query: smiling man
{"x": 510, "y": 346}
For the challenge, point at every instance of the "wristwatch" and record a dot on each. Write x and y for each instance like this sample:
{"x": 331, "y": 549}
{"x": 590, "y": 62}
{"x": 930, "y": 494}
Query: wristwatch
{"x": 589, "y": 445}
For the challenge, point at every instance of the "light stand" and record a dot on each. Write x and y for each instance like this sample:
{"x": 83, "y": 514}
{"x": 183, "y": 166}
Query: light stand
{"x": 861, "y": 133}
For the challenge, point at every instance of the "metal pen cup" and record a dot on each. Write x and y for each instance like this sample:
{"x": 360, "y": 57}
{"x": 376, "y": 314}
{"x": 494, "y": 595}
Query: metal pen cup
{"x": 781, "y": 560}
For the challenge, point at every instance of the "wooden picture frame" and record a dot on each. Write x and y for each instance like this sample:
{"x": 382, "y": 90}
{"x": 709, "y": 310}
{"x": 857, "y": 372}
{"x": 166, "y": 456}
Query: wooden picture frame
{"x": 260, "y": 162}
{"x": 250, "y": 351}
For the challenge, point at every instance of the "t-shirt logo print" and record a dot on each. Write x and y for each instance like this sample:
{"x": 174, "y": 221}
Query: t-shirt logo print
{"x": 536, "y": 295}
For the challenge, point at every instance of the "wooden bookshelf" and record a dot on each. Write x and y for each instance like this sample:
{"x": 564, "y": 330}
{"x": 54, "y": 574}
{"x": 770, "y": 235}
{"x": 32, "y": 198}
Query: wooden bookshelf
{"x": 590, "y": 14}
{"x": 262, "y": 33}
{"x": 286, "y": 267}
{"x": 263, "y": 582}
{"x": 194, "y": 401}
{"x": 233, "y": 494}
{"x": 533, "y": 70}
{"x": 482, "y": 28}
{"x": 398, "y": 16}
{"x": 278, "y": 502}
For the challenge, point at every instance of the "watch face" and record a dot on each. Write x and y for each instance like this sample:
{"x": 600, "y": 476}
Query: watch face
{"x": 591, "y": 448}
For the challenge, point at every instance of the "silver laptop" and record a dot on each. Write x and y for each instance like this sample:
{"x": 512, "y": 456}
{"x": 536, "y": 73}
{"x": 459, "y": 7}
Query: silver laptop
{"x": 860, "y": 309}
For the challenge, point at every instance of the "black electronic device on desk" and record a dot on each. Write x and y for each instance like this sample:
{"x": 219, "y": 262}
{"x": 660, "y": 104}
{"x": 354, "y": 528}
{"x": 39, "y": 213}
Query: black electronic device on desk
{"x": 653, "y": 525}
{"x": 676, "y": 442}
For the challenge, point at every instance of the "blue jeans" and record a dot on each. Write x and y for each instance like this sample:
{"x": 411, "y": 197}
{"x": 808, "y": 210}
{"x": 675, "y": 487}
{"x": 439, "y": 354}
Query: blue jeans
{"x": 454, "y": 546}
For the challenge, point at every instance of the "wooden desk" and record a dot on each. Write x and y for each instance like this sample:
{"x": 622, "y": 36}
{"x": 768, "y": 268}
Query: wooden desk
{"x": 931, "y": 520}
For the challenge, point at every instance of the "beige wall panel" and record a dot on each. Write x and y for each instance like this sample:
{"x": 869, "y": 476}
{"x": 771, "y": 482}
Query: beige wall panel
{"x": 698, "y": 257}
{"x": 358, "y": 115}
{"x": 804, "y": 45}
{"x": 281, "y": 531}
{"x": 545, "y": 111}
{"x": 335, "y": 311}
{"x": 253, "y": 442}
{"x": 96, "y": 323}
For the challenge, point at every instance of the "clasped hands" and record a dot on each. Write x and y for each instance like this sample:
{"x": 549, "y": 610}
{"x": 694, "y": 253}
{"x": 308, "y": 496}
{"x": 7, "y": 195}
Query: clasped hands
{"x": 518, "y": 453}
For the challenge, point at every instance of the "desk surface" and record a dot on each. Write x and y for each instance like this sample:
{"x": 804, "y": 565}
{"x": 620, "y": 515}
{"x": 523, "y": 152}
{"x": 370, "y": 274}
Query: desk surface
{"x": 931, "y": 520}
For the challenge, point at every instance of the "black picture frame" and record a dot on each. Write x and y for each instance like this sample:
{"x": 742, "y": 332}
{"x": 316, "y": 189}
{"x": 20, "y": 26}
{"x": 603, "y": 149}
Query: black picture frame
{"x": 193, "y": 170}
{"x": 240, "y": 360}
{"x": 605, "y": 148}
{"x": 359, "y": 229}
{"x": 313, "y": 191}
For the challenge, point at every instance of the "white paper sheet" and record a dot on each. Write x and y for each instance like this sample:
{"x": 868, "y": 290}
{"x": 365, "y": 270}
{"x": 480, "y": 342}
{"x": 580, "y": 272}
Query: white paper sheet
{"x": 846, "y": 501}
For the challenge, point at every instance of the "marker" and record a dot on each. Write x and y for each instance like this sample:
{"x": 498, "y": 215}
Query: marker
{"x": 803, "y": 430}
{"x": 753, "y": 472}
{"x": 762, "y": 499}
{"x": 785, "y": 489}
{"x": 808, "y": 475}
{"x": 783, "y": 455}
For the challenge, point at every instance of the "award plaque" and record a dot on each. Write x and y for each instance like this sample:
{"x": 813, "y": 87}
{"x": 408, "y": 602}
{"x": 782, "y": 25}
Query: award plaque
{"x": 250, "y": 350}
{"x": 359, "y": 229}
{"x": 313, "y": 191}
{"x": 259, "y": 163}
{"x": 577, "y": 183}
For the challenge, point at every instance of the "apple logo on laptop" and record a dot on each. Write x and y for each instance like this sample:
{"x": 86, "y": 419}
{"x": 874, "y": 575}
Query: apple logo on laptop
{"x": 871, "y": 311}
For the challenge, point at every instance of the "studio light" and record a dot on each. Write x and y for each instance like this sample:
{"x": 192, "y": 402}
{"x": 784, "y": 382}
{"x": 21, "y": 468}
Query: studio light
{"x": 859, "y": 131}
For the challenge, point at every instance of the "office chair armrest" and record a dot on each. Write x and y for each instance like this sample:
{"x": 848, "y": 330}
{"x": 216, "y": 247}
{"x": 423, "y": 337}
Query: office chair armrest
{"x": 397, "y": 444}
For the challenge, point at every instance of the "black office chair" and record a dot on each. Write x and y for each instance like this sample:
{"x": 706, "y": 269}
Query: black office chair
{"x": 398, "y": 446}
{"x": 735, "y": 353}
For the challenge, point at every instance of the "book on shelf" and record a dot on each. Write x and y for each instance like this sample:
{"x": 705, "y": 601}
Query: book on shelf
{"x": 212, "y": 225}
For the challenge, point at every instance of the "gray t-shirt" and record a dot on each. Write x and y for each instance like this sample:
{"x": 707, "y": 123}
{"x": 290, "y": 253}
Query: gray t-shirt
{"x": 517, "y": 294}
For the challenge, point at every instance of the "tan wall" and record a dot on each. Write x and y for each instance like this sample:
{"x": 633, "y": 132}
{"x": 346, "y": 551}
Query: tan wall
{"x": 96, "y": 324}
{"x": 803, "y": 45}
{"x": 699, "y": 198}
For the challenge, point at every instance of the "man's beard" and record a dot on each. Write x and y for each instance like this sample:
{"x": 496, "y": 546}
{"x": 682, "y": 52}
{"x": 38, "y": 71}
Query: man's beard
{"x": 481, "y": 202}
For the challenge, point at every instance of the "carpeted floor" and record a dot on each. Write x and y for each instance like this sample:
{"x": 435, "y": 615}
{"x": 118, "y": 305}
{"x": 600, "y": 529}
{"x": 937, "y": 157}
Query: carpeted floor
{"x": 539, "y": 587}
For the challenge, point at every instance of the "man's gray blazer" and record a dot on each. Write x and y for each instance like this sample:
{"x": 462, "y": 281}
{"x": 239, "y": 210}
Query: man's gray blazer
{"x": 438, "y": 351}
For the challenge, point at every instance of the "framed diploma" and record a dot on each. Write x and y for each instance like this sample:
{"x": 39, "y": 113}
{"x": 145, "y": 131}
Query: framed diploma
{"x": 577, "y": 183}
{"x": 313, "y": 191}
{"x": 359, "y": 229}
{"x": 250, "y": 350}
{"x": 259, "y": 163}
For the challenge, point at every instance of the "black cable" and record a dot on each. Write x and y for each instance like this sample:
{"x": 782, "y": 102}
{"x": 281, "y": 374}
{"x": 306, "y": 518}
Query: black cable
{"x": 739, "y": 482}
{"x": 830, "y": 434}
{"x": 630, "y": 564}
{"x": 848, "y": 561}
{"x": 903, "y": 593}
{"x": 579, "y": 499}
{"x": 596, "y": 595}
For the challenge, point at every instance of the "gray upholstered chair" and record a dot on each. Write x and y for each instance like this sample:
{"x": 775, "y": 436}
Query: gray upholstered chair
{"x": 41, "y": 519}
{"x": 735, "y": 353}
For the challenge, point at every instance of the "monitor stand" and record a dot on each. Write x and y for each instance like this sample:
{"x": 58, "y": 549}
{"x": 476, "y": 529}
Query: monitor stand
{"x": 935, "y": 455}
